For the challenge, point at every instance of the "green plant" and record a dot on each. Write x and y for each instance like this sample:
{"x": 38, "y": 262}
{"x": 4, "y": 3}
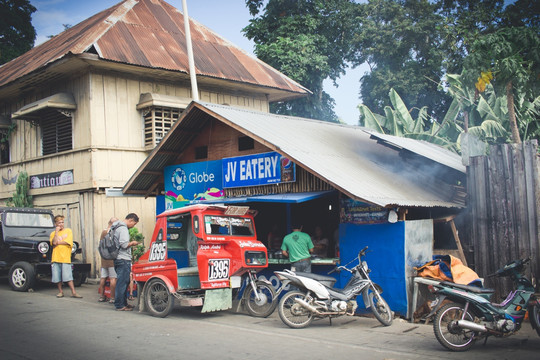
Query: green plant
{"x": 6, "y": 134}
{"x": 20, "y": 196}
{"x": 136, "y": 251}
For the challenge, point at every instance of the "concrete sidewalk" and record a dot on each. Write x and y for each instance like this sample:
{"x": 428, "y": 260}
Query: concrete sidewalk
{"x": 40, "y": 326}
{"x": 400, "y": 326}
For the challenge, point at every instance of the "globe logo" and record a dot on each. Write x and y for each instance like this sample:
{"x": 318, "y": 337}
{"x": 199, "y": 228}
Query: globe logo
{"x": 178, "y": 179}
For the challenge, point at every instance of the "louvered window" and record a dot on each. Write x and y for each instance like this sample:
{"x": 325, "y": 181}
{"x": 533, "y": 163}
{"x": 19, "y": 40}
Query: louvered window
{"x": 157, "y": 122}
{"x": 56, "y": 132}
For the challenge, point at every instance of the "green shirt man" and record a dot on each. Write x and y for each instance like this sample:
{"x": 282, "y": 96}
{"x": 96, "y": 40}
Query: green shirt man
{"x": 298, "y": 247}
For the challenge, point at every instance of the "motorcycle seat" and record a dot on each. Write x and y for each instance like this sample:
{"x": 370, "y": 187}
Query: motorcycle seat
{"x": 325, "y": 280}
{"x": 474, "y": 289}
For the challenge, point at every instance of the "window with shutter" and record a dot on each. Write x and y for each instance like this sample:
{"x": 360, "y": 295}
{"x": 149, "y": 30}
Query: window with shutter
{"x": 56, "y": 132}
{"x": 157, "y": 122}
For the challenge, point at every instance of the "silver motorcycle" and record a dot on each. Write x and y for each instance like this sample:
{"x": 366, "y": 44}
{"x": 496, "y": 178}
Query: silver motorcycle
{"x": 316, "y": 298}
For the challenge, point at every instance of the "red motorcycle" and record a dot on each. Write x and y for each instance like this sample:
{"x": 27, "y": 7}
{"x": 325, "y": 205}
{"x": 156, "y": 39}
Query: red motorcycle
{"x": 204, "y": 255}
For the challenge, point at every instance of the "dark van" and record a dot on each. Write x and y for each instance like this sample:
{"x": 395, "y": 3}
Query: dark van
{"x": 25, "y": 251}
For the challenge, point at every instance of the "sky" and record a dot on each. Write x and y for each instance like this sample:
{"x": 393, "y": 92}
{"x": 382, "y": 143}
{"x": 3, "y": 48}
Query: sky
{"x": 225, "y": 17}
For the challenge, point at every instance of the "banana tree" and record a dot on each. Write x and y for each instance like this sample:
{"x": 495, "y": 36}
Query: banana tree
{"x": 398, "y": 121}
{"x": 512, "y": 56}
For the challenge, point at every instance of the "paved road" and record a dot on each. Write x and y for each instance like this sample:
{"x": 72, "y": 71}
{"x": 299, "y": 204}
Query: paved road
{"x": 37, "y": 325}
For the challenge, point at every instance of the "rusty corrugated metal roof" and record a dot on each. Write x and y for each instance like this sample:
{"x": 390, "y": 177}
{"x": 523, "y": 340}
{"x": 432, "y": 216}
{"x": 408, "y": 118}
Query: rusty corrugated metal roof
{"x": 150, "y": 33}
{"x": 347, "y": 157}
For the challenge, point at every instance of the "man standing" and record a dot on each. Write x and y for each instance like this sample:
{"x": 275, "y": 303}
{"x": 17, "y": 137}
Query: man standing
{"x": 62, "y": 243}
{"x": 107, "y": 270}
{"x": 122, "y": 264}
{"x": 298, "y": 247}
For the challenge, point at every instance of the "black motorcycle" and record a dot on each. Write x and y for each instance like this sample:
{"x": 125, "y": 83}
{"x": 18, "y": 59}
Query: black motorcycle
{"x": 470, "y": 315}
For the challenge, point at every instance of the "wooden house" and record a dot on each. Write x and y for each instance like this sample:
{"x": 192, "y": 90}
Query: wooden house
{"x": 82, "y": 111}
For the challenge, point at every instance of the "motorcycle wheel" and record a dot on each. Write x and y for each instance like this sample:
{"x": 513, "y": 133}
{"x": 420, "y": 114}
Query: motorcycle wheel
{"x": 159, "y": 300}
{"x": 379, "y": 307}
{"x": 535, "y": 316}
{"x": 292, "y": 313}
{"x": 448, "y": 333}
{"x": 267, "y": 302}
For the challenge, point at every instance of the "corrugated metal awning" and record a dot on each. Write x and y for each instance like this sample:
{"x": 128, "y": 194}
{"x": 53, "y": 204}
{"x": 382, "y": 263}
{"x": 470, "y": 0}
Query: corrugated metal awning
{"x": 60, "y": 101}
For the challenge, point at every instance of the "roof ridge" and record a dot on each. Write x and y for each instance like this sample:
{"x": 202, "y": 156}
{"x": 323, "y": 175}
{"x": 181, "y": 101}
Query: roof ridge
{"x": 118, "y": 14}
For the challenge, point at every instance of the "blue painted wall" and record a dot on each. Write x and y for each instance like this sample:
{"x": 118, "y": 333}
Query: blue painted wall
{"x": 386, "y": 258}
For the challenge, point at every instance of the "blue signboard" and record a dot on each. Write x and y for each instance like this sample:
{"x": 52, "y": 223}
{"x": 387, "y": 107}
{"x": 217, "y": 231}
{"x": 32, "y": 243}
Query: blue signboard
{"x": 257, "y": 169}
{"x": 194, "y": 181}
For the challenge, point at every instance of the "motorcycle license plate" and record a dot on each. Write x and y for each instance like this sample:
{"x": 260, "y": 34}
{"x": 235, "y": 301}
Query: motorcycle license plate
{"x": 218, "y": 269}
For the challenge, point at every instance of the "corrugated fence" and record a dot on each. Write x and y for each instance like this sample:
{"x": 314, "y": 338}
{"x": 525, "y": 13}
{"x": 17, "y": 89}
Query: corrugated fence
{"x": 504, "y": 206}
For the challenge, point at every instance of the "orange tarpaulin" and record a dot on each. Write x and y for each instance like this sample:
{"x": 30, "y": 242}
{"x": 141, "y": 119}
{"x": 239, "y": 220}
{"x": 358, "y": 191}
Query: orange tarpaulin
{"x": 448, "y": 268}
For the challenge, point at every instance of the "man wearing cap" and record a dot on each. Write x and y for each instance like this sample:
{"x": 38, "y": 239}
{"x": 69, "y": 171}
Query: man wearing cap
{"x": 298, "y": 247}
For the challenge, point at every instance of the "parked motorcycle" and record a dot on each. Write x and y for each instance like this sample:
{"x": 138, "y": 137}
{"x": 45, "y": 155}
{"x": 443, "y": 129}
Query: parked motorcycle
{"x": 471, "y": 316}
{"x": 316, "y": 298}
{"x": 259, "y": 297}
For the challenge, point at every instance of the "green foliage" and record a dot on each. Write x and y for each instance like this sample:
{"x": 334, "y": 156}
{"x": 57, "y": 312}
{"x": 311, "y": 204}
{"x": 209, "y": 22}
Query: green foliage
{"x": 20, "y": 197}
{"x": 399, "y": 41}
{"x": 522, "y": 13}
{"x": 136, "y": 251}
{"x": 17, "y": 35}
{"x": 308, "y": 40}
{"x": 398, "y": 121}
{"x": 486, "y": 114}
{"x": 5, "y": 135}
{"x": 512, "y": 55}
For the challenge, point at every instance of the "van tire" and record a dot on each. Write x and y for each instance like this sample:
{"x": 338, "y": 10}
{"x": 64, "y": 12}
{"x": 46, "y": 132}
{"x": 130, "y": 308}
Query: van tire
{"x": 22, "y": 276}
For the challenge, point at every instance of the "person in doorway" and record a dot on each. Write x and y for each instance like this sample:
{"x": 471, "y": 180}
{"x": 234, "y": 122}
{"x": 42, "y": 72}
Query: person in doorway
{"x": 122, "y": 264}
{"x": 62, "y": 242}
{"x": 320, "y": 243}
{"x": 298, "y": 247}
{"x": 107, "y": 270}
{"x": 274, "y": 238}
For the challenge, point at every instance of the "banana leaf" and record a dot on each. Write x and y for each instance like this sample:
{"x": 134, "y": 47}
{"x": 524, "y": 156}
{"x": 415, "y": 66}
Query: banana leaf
{"x": 401, "y": 112}
{"x": 370, "y": 120}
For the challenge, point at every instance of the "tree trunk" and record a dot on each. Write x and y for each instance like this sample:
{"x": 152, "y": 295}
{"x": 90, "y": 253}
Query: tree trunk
{"x": 511, "y": 113}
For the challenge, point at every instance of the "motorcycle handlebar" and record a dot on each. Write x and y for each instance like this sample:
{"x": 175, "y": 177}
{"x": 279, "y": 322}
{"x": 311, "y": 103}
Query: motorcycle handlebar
{"x": 362, "y": 252}
{"x": 503, "y": 269}
{"x": 338, "y": 269}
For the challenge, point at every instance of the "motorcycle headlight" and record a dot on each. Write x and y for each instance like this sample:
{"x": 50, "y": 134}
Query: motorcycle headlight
{"x": 74, "y": 248}
{"x": 43, "y": 247}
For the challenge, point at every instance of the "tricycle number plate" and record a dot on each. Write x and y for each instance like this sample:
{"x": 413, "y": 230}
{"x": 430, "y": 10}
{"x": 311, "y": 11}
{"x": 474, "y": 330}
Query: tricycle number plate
{"x": 218, "y": 269}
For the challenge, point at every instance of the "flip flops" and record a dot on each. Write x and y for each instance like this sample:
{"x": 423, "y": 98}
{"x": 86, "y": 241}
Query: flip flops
{"x": 102, "y": 299}
{"x": 76, "y": 296}
{"x": 60, "y": 295}
{"x": 125, "y": 308}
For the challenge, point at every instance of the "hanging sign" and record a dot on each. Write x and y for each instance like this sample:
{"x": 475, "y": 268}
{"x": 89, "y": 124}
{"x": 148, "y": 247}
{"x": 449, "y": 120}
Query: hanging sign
{"x": 192, "y": 182}
{"x": 257, "y": 169}
{"x": 51, "y": 179}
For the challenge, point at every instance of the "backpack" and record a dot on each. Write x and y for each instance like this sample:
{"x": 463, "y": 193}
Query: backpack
{"x": 109, "y": 246}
